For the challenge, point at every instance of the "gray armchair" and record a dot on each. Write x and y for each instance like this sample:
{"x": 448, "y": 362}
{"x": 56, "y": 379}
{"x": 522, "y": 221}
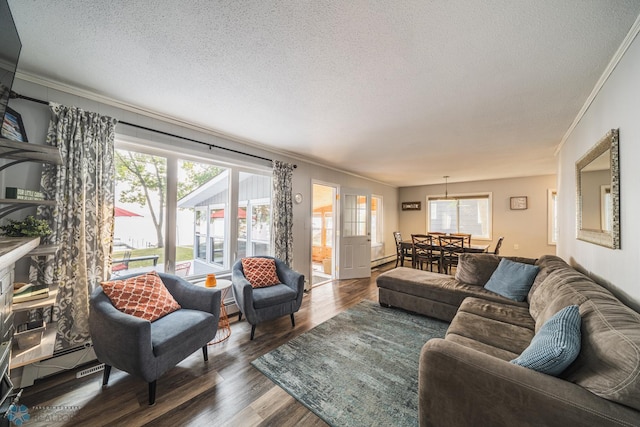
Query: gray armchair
{"x": 149, "y": 349}
{"x": 262, "y": 304}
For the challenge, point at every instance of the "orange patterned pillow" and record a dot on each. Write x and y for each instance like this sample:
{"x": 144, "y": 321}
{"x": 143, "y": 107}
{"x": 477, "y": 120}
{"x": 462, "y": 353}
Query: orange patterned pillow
{"x": 260, "y": 272}
{"x": 141, "y": 296}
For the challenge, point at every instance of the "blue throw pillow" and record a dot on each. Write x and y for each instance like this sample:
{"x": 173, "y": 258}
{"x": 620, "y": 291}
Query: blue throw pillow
{"x": 556, "y": 345}
{"x": 512, "y": 279}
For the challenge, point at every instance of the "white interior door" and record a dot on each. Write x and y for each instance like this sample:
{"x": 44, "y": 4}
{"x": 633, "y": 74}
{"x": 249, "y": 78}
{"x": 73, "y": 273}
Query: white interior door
{"x": 355, "y": 234}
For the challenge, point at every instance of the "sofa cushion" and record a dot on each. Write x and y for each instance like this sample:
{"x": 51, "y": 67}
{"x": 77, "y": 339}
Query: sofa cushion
{"x": 273, "y": 295}
{"x": 143, "y": 296}
{"x": 169, "y": 332}
{"x": 472, "y": 322}
{"x": 481, "y": 347}
{"x": 556, "y": 345}
{"x": 512, "y": 279}
{"x": 508, "y": 313}
{"x": 609, "y": 361}
{"x": 434, "y": 286}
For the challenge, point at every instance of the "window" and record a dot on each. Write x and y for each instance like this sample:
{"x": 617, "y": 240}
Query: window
{"x": 355, "y": 212}
{"x": 552, "y": 217}
{"x": 211, "y": 230}
{"x": 460, "y": 214}
{"x": 254, "y": 215}
{"x": 377, "y": 232}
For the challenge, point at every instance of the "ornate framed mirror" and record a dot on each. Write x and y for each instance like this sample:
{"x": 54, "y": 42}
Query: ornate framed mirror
{"x": 598, "y": 193}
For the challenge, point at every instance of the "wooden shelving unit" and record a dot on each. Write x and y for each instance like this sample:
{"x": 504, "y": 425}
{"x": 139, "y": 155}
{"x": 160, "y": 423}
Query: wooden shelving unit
{"x": 38, "y": 303}
{"x": 44, "y": 250}
{"x": 20, "y": 152}
{"x": 28, "y": 202}
{"x": 43, "y": 350}
{"x": 36, "y": 353}
{"x": 29, "y": 152}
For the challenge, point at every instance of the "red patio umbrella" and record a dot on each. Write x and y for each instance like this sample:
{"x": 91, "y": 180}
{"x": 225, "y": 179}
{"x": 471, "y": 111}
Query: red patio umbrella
{"x": 242, "y": 213}
{"x": 123, "y": 212}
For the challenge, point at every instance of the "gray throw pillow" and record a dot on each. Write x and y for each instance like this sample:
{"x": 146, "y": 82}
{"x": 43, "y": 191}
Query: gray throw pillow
{"x": 476, "y": 269}
{"x": 512, "y": 279}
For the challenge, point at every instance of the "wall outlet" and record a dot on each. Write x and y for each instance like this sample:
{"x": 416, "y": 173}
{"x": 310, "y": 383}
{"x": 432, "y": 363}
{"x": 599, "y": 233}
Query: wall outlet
{"x": 516, "y": 246}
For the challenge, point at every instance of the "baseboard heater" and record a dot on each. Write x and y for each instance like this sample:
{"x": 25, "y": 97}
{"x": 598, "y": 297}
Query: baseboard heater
{"x": 384, "y": 260}
{"x": 61, "y": 361}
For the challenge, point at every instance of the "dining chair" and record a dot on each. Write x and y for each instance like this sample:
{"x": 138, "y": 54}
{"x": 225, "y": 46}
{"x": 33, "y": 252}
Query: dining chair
{"x": 422, "y": 251}
{"x": 498, "y": 245}
{"x": 401, "y": 251}
{"x": 450, "y": 247}
{"x": 467, "y": 237}
{"x": 435, "y": 234}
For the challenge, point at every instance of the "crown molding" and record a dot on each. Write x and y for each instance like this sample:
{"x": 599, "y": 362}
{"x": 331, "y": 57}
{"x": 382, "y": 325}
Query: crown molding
{"x": 631, "y": 35}
{"x": 72, "y": 90}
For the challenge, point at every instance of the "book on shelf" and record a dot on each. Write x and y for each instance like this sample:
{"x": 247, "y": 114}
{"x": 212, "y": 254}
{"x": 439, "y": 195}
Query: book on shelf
{"x": 29, "y": 292}
{"x": 22, "y": 194}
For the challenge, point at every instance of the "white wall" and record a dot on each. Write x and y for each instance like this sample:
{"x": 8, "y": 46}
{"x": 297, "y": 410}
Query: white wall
{"x": 617, "y": 105}
{"x": 525, "y": 228}
{"x": 36, "y": 118}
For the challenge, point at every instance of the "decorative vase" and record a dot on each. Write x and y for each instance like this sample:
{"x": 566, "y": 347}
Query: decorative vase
{"x": 211, "y": 281}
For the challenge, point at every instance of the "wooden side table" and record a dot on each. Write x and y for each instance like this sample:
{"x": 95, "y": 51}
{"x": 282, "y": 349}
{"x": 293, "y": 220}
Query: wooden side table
{"x": 224, "y": 328}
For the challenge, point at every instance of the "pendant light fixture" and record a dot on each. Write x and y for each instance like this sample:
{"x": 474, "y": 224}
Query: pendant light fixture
{"x": 446, "y": 193}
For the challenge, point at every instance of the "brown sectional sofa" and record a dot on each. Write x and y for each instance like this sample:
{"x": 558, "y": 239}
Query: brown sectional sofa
{"x": 466, "y": 378}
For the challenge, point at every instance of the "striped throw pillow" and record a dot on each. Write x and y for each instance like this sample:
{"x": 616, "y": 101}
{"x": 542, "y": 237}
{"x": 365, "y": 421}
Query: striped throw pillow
{"x": 556, "y": 345}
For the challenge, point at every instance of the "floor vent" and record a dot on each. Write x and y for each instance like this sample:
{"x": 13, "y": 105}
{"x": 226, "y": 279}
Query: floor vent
{"x": 90, "y": 371}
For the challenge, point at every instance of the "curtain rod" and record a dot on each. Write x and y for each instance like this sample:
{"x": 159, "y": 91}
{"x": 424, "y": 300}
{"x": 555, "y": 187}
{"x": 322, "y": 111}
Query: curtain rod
{"x": 15, "y": 95}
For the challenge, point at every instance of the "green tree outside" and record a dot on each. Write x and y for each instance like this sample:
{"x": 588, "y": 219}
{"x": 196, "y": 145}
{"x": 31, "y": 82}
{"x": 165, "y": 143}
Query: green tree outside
{"x": 145, "y": 179}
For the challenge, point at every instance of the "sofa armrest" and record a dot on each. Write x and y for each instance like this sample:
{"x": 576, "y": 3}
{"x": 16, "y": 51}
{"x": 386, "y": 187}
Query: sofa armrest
{"x": 191, "y": 296}
{"x": 458, "y": 384}
{"x": 242, "y": 292}
{"x": 119, "y": 339}
{"x": 291, "y": 278}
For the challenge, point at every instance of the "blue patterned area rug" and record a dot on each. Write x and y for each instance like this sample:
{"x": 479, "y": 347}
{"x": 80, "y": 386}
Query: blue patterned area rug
{"x": 359, "y": 368}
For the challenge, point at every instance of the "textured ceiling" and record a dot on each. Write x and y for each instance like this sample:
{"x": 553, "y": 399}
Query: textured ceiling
{"x": 400, "y": 91}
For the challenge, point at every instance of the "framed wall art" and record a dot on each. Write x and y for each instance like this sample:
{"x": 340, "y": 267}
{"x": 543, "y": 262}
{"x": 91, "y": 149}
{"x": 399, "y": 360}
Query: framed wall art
{"x": 518, "y": 203}
{"x": 411, "y": 206}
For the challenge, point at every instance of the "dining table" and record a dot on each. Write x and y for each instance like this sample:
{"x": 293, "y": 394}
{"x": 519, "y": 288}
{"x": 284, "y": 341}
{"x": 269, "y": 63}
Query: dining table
{"x": 407, "y": 245}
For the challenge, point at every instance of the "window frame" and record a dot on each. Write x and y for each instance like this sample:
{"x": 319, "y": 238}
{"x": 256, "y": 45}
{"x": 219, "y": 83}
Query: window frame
{"x": 152, "y": 148}
{"x": 552, "y": 216}
{"x": 379, "y": 227}
{"x": 459, "y": 196}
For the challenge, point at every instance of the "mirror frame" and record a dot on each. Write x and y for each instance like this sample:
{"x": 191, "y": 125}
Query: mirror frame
{"x": 602, "y": 238}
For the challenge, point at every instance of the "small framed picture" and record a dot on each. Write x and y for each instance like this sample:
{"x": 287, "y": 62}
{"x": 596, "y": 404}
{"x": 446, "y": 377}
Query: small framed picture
{"x": 518, "y": 203}
{"x": 12, "y": 126}
{"x": 411, "y": 206}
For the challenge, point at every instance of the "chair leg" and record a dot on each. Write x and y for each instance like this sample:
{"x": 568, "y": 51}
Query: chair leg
{"x": 253, "y": 331}
{"x": 239, "y": 316}
{"x": 293, "y": 321}
{"x": 152, "y": 393}
{"x": 205, "y": 353}
{"x": 105, "y": 375}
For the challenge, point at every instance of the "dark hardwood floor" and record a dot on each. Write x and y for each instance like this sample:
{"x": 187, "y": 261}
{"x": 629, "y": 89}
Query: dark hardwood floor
{"x": 225, "y": 391}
